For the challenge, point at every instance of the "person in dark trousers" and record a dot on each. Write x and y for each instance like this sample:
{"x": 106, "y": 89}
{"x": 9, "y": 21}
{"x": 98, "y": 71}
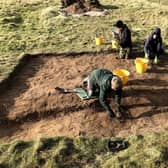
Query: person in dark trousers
{"x": 101, "y": 82}
{"x": 125, "y": 41}
{"x": 153, "y": 44}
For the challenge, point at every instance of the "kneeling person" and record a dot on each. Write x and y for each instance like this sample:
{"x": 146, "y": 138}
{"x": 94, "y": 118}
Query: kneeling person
{"x": 153, "y": 44}
{"x": 102, "y": 81}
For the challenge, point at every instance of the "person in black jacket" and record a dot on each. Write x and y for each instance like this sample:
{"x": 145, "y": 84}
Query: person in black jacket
{"x": 125, "y": 41}
{"x": 153, "y": 44}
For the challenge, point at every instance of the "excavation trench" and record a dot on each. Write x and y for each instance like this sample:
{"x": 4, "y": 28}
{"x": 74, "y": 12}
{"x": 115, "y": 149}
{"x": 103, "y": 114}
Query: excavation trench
{"x": 30, "y": 107}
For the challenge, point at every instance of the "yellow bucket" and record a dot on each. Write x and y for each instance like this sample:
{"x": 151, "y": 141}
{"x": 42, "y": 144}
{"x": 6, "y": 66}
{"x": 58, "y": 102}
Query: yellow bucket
{"x": 115, "y": 44}
{"x": 123, "y": 74}
{"x": 102, "y": 39}
{"x": 141, "y": 65}
{"x": 99, "y": 40}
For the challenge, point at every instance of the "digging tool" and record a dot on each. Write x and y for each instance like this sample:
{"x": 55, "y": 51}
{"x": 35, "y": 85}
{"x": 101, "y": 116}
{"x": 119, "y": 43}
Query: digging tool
{"x": 82, "y": 93}
{"x": 63, "y": 90}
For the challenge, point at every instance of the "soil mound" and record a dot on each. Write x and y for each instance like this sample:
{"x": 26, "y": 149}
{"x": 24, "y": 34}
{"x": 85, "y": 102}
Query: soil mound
{"x": 82, "y": 6}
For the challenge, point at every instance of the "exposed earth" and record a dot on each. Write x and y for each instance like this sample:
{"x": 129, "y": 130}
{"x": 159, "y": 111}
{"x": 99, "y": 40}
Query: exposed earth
{"x": 30, "y": 107}
{"x": 76, "y": 7}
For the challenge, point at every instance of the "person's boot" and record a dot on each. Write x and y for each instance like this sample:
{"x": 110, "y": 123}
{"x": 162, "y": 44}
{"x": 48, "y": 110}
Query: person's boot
{"x": 126, "y": 56}
{"x": 121, "y": 53}
{"x": 156, "y": 60}
{"x": 122, "y": 56}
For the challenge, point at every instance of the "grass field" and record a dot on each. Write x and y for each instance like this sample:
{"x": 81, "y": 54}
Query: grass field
{"x": 36, "y": 26}
{"x": 148, "y": 151}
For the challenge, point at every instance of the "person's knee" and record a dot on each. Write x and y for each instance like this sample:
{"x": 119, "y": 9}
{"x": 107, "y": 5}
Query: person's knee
{"x": 128, "y": 53}
{"x": 122, "y": 53}
{"x": 90, "y": 92}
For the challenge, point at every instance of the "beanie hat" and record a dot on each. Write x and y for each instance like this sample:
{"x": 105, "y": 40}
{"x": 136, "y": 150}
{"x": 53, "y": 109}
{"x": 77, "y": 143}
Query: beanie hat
{"x": 119, "y": 24}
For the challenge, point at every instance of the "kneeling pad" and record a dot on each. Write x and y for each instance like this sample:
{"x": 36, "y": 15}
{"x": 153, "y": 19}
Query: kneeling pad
{"x": 82, "y": 93}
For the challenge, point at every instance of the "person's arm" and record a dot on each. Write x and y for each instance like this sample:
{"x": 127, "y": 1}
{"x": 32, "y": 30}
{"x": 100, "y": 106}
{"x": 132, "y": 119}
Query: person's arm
{"x": 115, "y": 35}
{"x": 146, "y": 45}
{"x": 103, "y": 101}
{"x": 159, "y": 46}
{"x": 118, "y": 96}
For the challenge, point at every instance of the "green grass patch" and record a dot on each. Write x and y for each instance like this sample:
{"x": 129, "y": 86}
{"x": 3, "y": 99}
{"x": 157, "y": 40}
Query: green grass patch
{"x": 161, "y": 2}
{"x": 144, "y": 151}
{"x": 36, "y": 26}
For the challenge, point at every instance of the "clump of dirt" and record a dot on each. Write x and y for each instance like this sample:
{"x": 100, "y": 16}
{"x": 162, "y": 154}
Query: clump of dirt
{"x": 78, "y": 7}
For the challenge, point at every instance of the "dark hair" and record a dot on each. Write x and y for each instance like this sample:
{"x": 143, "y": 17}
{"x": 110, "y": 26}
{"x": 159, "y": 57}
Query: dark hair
{"x": 119, "y": 24}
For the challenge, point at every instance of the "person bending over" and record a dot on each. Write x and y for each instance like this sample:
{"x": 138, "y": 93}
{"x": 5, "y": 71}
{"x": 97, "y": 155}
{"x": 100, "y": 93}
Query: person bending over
{"x": 101, "y": 82}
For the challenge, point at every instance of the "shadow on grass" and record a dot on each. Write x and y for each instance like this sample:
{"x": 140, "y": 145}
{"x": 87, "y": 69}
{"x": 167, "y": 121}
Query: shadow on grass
{"x": 9, "y": 90}
{"x": 110, "y": 7}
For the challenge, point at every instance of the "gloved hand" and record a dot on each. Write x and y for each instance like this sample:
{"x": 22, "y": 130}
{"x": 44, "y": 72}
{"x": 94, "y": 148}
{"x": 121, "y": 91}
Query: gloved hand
{"x": 118, "y": 114}
{"x": 156, "y": 60}
{"x": 146, "y": 56}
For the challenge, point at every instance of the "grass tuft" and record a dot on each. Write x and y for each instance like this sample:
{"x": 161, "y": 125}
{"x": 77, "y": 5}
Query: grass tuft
{"x": 149, "y": 150}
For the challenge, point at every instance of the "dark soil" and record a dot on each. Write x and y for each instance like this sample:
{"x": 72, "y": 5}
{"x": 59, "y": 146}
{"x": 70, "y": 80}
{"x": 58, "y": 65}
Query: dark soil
{"x": 82, "y": 6}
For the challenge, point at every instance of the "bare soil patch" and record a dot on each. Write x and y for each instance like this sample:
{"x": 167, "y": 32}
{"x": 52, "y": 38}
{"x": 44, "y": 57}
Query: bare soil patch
{"x": 30, "y": 107}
